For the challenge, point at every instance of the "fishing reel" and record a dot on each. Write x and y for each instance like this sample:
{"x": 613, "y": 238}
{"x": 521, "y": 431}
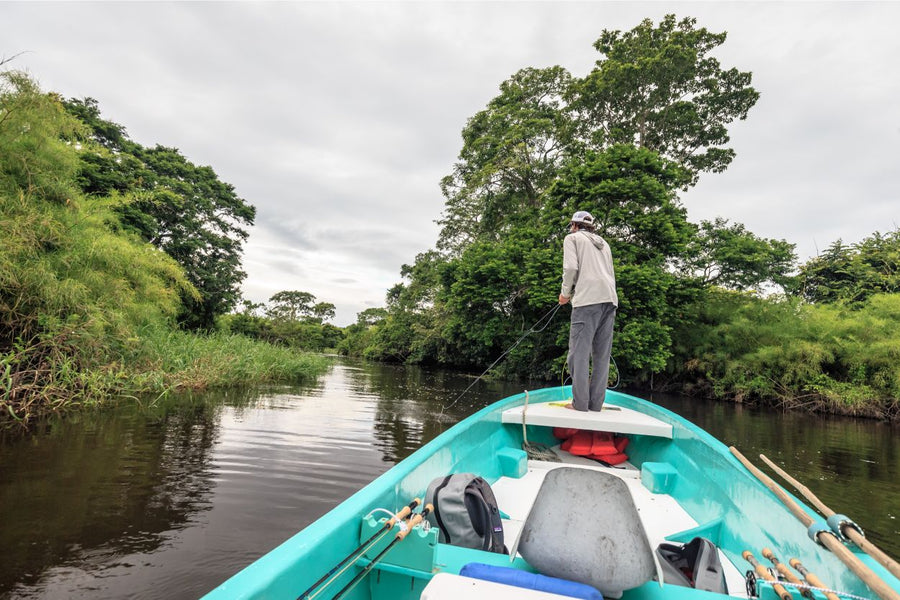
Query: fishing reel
{"x": 750, "y": 584}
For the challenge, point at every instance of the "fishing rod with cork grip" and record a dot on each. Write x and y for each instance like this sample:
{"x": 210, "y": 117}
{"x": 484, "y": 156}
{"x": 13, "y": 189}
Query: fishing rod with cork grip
{"x": 765, "y": 574}
{"x": 786, "y": 572}
{"x": 398, "y": 537}
{"x": 812, "y": 579}
{"x": 373, "y": 539}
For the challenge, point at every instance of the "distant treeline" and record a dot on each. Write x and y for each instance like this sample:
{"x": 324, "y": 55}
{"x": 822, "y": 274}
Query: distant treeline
{"x": 706, "y": 308}
{"x": 116, "y": 261}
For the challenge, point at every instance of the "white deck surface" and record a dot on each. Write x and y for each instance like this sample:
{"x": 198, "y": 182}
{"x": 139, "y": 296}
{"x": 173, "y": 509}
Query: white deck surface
{"x": 660, "y": 514}
{"x": 612, "y": 418}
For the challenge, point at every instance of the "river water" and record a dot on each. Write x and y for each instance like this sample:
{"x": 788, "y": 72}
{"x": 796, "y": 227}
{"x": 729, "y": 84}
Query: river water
{"x": 168, "y": 500}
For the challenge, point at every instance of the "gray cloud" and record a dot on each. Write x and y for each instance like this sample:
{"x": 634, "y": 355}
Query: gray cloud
{"x": 337, "y": 120}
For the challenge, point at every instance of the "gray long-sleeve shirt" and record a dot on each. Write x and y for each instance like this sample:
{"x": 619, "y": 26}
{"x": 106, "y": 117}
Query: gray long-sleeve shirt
{"x": 588, "y": 270}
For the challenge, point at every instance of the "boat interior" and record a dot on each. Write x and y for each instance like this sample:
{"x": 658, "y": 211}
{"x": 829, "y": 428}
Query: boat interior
{"x": 588, "y": 529}
{"x": 574, "y": 523}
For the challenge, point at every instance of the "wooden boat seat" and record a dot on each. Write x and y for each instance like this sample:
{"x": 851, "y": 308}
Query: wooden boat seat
{"x": 615, "y": 419}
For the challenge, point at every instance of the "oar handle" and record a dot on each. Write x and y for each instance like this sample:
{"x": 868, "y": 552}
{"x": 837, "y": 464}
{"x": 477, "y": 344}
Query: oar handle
{"x": 764, "y": 573}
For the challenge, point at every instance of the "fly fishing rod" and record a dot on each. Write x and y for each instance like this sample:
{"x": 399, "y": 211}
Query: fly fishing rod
{"x": 399, "y": 537}
{"x": 811, "y": 579}
{"x": 533, "y": 329}
{"x": 786, "y": 573}
{"x": 404, "y": 512}
{"x": 765, "y": 574}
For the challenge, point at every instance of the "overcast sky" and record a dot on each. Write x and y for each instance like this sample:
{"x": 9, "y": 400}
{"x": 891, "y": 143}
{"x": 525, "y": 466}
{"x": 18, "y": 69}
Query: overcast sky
{"x": 336, "y": 120}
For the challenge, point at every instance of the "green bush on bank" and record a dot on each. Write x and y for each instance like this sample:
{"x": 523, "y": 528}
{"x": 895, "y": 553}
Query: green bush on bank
{"x": 834, "y": 357}
{"x": 87, "y": 309}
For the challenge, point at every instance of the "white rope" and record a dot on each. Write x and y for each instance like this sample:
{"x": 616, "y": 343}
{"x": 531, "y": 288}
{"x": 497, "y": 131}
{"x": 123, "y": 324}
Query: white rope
{"x": 524, "y": 411}
{"x": 820, "y": 589}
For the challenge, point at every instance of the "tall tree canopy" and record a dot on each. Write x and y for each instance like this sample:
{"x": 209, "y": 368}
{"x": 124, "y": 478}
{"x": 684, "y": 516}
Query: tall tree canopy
{"x": 620, "y": 142}
{"x": 659, "y": 87}
{"x": 181, "y": 208}
{"x": 656, "y": 87}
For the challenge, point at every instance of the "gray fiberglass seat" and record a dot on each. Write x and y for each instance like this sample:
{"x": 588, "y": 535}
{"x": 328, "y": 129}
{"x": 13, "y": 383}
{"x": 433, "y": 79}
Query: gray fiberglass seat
{"x": 584, "y": 527}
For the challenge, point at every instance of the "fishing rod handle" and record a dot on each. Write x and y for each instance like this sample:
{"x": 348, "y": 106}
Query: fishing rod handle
{"x": 404, "y": 512}
{"x": 812, "y": 579}
{"x": 765, "y": 574}
{"x": 415, "y": 520}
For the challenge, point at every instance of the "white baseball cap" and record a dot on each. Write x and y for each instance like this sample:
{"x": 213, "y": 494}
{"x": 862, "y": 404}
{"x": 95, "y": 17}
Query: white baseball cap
{"x": 583, "y": 216}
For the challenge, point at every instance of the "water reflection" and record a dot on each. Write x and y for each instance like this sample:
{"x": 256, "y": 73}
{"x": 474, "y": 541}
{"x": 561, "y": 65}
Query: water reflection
{"x": 101, "y": 486}
{"x": 167, "y": 501}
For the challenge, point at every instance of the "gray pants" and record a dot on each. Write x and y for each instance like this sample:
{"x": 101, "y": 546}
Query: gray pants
{"x": 590, "y": 336}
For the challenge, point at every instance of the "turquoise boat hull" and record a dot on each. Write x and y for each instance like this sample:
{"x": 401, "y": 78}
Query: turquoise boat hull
{"x": 731, "y": 507}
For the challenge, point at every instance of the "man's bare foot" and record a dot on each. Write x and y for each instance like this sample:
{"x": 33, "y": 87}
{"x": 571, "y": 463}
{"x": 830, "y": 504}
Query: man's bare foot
{"x": 569, "y": 406}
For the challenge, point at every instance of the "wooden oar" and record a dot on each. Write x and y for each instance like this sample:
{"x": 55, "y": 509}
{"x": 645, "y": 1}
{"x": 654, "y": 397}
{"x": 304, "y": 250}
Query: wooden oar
{"x": 812, "y": 579}
{"x": 415, "y": 520}
{"x": 404, "y": 512}
{"x": 850, "y": 532}
{"x": 827, "y": 539}
{"x": 786, "y": 572}
{"x": 764, "y": 573}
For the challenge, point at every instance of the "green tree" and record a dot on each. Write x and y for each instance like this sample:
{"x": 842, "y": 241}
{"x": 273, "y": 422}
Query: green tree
{"x": 323, "y": 311}
{"x": 852, "y": 273}
{"x": 291, "y": 305}
{"x": 371, "y": 316}
{"x": 659, "y": 87}
{"x": 179, "y": 207}
{"x": 620, "y": 142}
{"x": 731, "y": 257}
{"x": 511, "y": 152}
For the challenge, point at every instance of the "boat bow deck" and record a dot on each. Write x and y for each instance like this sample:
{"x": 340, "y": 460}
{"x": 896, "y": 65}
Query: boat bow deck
{"x": 615, "y": 419}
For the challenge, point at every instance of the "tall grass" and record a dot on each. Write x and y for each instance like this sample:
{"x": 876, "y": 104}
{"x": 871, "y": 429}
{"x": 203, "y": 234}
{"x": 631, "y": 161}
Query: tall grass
{"x": 50, "y": 374}
{"x": 169, "y": 359}
{"x": 831, "y": 357}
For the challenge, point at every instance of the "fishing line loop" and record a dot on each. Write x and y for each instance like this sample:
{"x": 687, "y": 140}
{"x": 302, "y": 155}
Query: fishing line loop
{"x": 533, "y": 329}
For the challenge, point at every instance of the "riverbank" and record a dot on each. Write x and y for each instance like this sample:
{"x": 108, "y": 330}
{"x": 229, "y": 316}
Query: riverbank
{"x": 52, "y": 375}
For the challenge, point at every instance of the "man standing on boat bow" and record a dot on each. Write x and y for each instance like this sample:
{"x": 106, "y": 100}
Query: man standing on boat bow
{"x": 590, "y": 284}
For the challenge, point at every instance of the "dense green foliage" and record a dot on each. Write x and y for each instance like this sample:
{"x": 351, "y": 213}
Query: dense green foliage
{"x": 619, "y": 142}
{"x": 833, "y": 357}
{"x": 697, "y": 308}
{"x": 852, "y": 273}
{"x": 291, "y": 318}
{"x": 87, "y": 307}
{"x": 181, "y": 208}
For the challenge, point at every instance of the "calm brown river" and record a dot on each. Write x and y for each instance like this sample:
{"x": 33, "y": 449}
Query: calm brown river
{"x": 167, "y": 501}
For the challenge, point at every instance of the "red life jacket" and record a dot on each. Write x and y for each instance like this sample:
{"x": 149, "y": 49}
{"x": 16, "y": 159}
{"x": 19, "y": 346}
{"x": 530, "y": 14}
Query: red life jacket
{"x": 600, "y": 445}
